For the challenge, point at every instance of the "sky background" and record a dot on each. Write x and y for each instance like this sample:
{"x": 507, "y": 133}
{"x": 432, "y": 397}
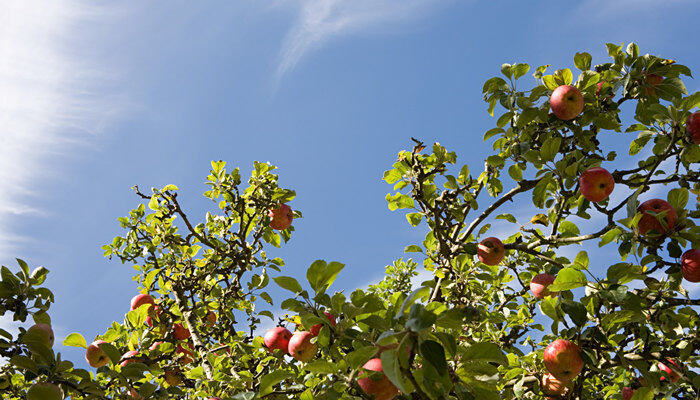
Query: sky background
{"x": 96, "y": 99}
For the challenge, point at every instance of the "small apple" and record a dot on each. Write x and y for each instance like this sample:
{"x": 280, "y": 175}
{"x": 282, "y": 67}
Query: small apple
{"x": 173, "y": 376}
{"x": 562, "y": 359}
{"x": 186, "y": 355}
{"x": 627, "y": 393}
{"x": 277, "y": 338}
{"x": 210, "y": 318}
{"x": 690, "y": 265}
{"x": 652, "y": 81}
{"x": 300, "y": 346}
{"x": 130, "y": 357}
{"x": 180, "y": 332}
{"x": 566, "y": 102}
{"x": 141, "y": 299}
{"x": 538, "y": 286}
{"x": 490, "y": 251}
{"x": 692, "y": 127}
{"x": 42, "y": 332}
{"x": 282, "y": 217}
{"x": 553, "y": 386}
{"x": 596, "y": 184}
{"x": 673, "y": 375}
{"x": 379, "y": 387}
{"x": 649, "y": 222}
{"x": 95, "y": 356}
{"x": 317, "y": 328}
{"x": 44, "y": 391}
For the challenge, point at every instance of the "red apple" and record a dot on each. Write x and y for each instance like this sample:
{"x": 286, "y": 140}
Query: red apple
{"x": 173, "y": 376}
{"x": 154, "y": 346}
{"x": 95, "y": 356}
{"x": 566, "y": 102}
{"x": 277, "y": 338}
{"x": 649, "y": 222}
{"x": 627, "y": 393}
{"x": 692, "y": 126}
{"x": 185, "y": 353}
{"x": 300, "y": 346}
{"x": 673, "y": 375}
{"x": 282, "y": 217}
{"x": 153, "y": 314}
{"x": 210, "y": 318}
{"x": 562, "y": 359}
{"x": 44, "y": 391}
{"x": 490, "y": 251}
{"x": 652, "y": 81}
{"x": 141, "y": 299}
{"x": 690, "y": 265}
{"x": 538, "y": 286}
{"x": 596, "y": 184}
{"x": 379, "y": 387}
{"x": 317, "y": 328}
{"x": 180, "y": 332}
{"x": 129, "y": 357}
{"x": 42, "y": 332}
{"x": 553, "y": 386}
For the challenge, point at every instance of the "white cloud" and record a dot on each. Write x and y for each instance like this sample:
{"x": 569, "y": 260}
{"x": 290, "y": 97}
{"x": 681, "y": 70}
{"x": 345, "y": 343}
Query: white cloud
{"x": 321, "y": 20}
{"x": 45, "y": 106}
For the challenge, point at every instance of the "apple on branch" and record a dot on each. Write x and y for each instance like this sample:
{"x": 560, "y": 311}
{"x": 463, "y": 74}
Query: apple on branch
{"x": 129, "y": 357}
{"x": 45, "y": 391}
{"x": 281, "y": 216}
{"x": 277, "y": 338}
{"x": 692, "y": 127}
{"x": 562, "y": 359}
{"x": 649, "y": 222}
{"x": 673, "y": 375}
{"x": 596, "y": 184}
{"x": 539, "y": 284}
{"x": 180, "y": 332}
{"x": 553, "y": 386}
{"x": 43, "y": 332}
{"x": 651, "y": 82}
{"x": 378, "y": 385}
{"x": 690, "y": 265}
{"x": 141, "y": 299}
{"x": 317, "y": 328}
{"x": 95, "y": 356}
{"x": 490, "y": 251}
{"x": 627, "y": 393}
{"x": 301, "y": 347}
{"x": 566, "y": 102}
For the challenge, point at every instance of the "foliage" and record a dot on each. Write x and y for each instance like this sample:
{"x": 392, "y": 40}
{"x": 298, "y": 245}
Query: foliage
{"x": 471, "y": 332}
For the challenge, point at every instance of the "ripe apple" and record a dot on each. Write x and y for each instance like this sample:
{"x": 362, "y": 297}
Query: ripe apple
{"x": 153, "y": 314}
{"x": 649, "y": 222}
{"x": 173, "y": 376}
{"x": 210, "y": 318}
{"x": 300, "y": 346}
{"x": 141, "y": 299}
{"x": 277, "y": 338}
{"x": 563, "y": 359}
{"x": 673, "y": 375}
{"x": 186, "y": 355}
{"x": 538, "y": 286}
{"x": 652, "y": 81}
{"x": 596, "y": 184}
{"x": 42, "y": 332}
{"x": 553, "y": 386}
{"x": 627, "y": 393}
{"x": 692, "y": 126}
{"x": 690, "y": 265}
{"x": 317, "y": 328}
{"x": 180, "y": 332}
{"x": 490, "y": 251}
{"x": 379, "y": 387}
{"x": 129, "y": 357}
{"x": 282, "y": 217}
{"x": 45, "y": 391}
{"x": 566, "y": 102}
{"x": 95, "y": 356}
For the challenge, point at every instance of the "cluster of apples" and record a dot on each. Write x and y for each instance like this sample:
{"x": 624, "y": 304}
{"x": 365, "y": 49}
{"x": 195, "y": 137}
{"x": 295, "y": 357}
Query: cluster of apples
{"x": 563, "y": 361}
{"x": 297, "y": 345}
{"x": 43, "y": 334}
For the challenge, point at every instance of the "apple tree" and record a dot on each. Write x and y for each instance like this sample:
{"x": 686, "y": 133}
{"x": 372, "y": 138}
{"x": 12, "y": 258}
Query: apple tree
{"x": 530, "y": 314}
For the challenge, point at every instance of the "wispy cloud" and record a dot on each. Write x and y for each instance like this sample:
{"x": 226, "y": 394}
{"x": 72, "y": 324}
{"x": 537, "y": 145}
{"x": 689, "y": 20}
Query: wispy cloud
{"x": 322, "y": 20}
{"x": 45, "y": 106}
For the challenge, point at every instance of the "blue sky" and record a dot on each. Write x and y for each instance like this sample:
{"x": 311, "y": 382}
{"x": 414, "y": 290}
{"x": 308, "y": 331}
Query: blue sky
{"x": 99, "y": 98}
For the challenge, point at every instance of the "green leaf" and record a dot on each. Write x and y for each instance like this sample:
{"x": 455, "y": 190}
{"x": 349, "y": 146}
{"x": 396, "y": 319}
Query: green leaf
{"x": 322, "y": 367}
{"x": 75, "y": 340}
{"x": 582, "y": 61}
{"x": 548, "y": 305}
{"x": 413, "y": 249}
{"x": 520, "y": 70}
{"x": 289, "y": 283}
{"x": 576, "y": 311}
{"x": 359, "y": 357}
{"x": 411, "y": 298}
{"x": 508, "y": 217}
{"x": 269, "y": 380}
{"x": 638, "y": 144}
{"x": 643, "y": 393}
{"x": 419, "y": 318}
{"x": 550, "y": 148}
{"x": 414, "y": 218}
{"x": 392, "y": 369}
{"x": 678, "y": 198}
{"x": 434, "y": 353}
{"x": 485, "y": 351}
{"x": 112, "y": 352}
{"x": 567, "y": 279}
{"x": 550, "y": 82}
{"x": 25, "y": 363}
{"x": 563, "y": 77}
{"x": 515, "y": 172}
{"x": 581, "y": 261}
